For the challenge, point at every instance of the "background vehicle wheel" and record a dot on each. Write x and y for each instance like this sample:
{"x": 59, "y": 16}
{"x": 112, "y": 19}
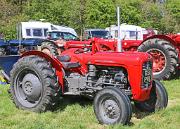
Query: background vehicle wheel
{"x": 49, "y": 48}
{"x": 112, "y": 106}
{"x": 2, "y": 51}
{"x": 158, "y": 99}
{"x": 34, "y": 84}
{"x": 165, "y": 57}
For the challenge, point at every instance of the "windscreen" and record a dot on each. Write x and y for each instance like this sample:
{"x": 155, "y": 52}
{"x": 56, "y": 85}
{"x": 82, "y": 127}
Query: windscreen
{"x": 61, "y": 35}
{"x": 100, "y": 34}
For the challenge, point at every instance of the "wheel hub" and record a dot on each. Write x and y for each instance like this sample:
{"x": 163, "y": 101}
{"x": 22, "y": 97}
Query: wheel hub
{"x": 27, "y": 88}
{"x": 31, "y": 87}
{"x": 111, "y": 109}
{"x": 159, "y": 60}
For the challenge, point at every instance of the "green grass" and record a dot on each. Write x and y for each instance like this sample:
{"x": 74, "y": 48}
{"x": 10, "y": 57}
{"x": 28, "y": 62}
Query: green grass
{"x": 77, "y": 113}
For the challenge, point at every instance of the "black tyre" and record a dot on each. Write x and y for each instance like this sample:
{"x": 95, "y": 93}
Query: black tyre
{"x": 49, "y": 48}
{"x": 2, "y": 51}
{"x": 34, "y": 84}
{"x": 112, "y": 106}
{"x": 158, "y": 99}
{"x": 165, "y": 57}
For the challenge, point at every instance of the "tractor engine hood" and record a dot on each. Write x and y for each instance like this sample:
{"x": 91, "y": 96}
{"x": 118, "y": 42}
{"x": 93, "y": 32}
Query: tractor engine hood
{"x": 116, "y": 58}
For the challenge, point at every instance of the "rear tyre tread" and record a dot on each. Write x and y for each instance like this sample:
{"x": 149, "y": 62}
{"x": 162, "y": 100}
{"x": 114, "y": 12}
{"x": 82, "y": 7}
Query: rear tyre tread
{"x": 49, "y": 80}
{"x": 51, "y": 47}
{"x": 169, "y": 51}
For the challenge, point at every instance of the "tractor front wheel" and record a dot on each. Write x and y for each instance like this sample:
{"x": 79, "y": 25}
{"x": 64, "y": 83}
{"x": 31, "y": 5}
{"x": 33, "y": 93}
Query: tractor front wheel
{"x": 158, "y": 99}
{"x": 34, "y": 84}
{"x": 112, "y": 106}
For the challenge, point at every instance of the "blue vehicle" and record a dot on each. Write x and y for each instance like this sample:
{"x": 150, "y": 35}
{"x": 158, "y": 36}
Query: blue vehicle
{"x": 14, "y": 47}
{"x": 30, "y": 35}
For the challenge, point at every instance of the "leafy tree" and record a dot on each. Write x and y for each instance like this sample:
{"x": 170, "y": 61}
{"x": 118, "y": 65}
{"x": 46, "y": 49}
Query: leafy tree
{"x": 81, "y": 14}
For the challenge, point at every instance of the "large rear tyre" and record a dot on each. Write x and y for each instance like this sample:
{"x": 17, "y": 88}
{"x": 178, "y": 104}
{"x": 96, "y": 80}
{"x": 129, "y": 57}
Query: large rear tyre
{"x": 49, "y": 48}
{"x": 2, "y": 51}
{"x": 34, "y": 84}
{"x": 158, "y": 99}
{"x": 165, "y": 57}
{"x": 112, "y": 106}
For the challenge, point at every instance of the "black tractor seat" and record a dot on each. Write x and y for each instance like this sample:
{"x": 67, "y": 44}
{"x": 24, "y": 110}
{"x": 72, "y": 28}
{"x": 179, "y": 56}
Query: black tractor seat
{"x": 65, "y": 62}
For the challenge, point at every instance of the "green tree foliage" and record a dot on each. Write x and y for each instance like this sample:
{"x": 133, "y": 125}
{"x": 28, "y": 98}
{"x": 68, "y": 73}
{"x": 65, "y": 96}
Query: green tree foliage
{"x": 82, "y": 14}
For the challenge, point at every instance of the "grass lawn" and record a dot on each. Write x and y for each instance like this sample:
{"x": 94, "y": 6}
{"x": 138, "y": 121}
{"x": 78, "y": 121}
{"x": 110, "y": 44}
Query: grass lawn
{"x": 77, "y": 113}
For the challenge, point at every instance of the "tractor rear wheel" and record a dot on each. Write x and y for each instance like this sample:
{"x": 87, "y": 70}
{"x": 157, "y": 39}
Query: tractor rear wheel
{"x": 49, "y": 48}
{"x": 112, "y": 106}
{"x": 158, "y": 99}
{"x": 165, "y": 57}
{"x": 2, "y": 51}
{"x": 34, "y": 84}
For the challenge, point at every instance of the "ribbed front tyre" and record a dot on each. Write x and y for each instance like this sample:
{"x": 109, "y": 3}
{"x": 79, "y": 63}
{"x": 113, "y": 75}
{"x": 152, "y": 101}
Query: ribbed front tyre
{"x": 158, "y": 99}
{"x": 112, "y": 106}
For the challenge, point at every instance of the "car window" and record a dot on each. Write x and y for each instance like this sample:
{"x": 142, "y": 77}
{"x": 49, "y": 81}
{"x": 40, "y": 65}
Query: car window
{"x": 45, "y": 32}
{"x": 69, "y": 36}
{"x": 28, "y": 32}
{"x": 134, "y": 34}
{"x": 55, "y": 35}
{"x": 37, "y": 32}
{"x": 100, "y": 34}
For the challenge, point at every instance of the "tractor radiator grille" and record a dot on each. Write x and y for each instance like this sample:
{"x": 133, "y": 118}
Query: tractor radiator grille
{"x": 146, "y": 74}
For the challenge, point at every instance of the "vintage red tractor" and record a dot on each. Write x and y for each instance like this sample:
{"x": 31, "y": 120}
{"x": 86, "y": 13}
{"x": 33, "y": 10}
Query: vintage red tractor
{"x": 112, "y": 79}
{"x": 165, "y": 50}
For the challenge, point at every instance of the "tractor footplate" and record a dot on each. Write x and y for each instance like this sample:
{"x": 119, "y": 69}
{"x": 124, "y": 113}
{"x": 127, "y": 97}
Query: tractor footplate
{"x": 69, "y": 65}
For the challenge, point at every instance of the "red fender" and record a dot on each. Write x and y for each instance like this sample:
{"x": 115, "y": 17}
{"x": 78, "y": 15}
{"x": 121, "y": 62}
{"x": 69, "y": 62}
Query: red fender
{"x": 164, "y": 37}
{"x": 54, "y": 62}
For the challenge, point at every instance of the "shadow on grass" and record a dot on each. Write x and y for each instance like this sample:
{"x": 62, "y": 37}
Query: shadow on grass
{"x": 83, "y": 102}
{"x": 139, "y": 114}
{"x": 71, "y": 100}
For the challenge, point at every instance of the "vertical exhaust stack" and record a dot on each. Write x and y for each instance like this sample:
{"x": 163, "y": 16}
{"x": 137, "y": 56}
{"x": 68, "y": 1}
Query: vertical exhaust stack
{"x": 19, "y": 33}
{"x": 119, "y": 45}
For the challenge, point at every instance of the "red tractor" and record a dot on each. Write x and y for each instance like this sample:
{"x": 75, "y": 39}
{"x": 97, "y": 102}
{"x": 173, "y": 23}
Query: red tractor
{"x": 165, "y": 50}
{"x": 112, "y": 79}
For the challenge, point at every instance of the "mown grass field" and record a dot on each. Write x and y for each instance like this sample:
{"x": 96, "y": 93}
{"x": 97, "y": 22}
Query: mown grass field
{"x": 77, "y": 113}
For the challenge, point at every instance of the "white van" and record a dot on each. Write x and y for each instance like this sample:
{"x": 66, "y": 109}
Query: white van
{"x": 127, "y": 32}
{"x": 39, "y": 29}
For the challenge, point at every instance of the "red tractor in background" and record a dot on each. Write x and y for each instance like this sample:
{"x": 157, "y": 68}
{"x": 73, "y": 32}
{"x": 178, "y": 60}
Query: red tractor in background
{"x": 38, "y": 80}
{"x": 165, "y": 49}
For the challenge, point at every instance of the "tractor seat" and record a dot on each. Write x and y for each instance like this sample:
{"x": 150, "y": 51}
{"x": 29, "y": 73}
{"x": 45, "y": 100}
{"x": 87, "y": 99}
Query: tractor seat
{"x": 69, "y": 65}
{"x": 64, "y": 58}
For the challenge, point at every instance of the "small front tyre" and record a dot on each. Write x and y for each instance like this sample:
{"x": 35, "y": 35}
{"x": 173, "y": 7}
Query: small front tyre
{"x": 112, "y": 106}
{"x": 158, "y": 99}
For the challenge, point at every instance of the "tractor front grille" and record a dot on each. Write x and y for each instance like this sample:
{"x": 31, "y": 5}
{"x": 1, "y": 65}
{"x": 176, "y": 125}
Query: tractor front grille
{"x": 146, "y": 74}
